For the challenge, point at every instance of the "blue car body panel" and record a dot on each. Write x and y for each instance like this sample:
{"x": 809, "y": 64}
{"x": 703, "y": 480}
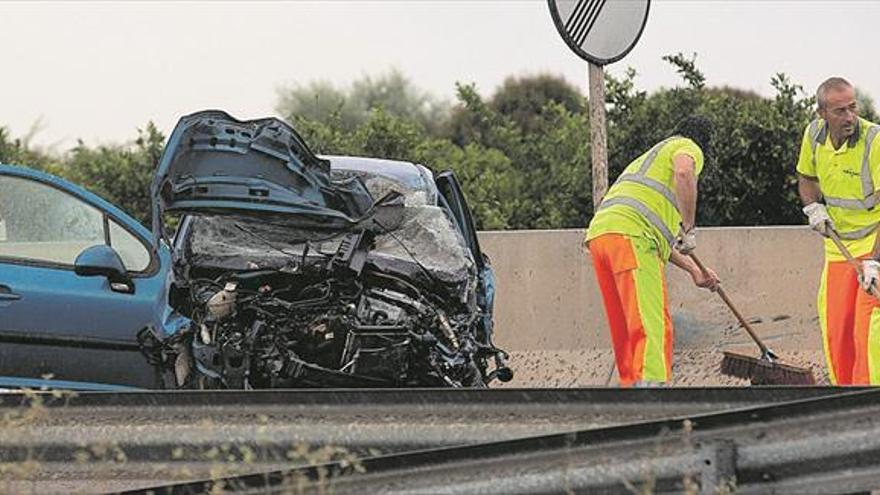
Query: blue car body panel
{"x": 41, "y": 384}
{"x": 216, "y": 164}
{"x": 53, "y": 321}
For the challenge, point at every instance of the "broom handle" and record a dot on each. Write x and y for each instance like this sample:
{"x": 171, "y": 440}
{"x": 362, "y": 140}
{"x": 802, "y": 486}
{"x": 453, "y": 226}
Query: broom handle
{"x": 832, "y": 234}
{"x": 733, "y": 309}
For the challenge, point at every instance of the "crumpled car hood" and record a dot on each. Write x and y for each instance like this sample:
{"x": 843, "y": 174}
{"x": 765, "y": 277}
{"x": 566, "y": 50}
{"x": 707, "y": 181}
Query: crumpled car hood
{"x": 216, "y": 164}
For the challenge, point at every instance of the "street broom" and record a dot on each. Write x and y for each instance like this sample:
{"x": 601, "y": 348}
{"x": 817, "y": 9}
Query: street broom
{"x": 765, "y": 370}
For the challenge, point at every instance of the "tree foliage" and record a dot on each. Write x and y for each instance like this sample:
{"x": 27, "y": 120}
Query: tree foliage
{"x": 523, "y": 100}
{"x": 19, "y": 150}
{"x": 348, "y": 108}
{"x": 522, "y": 153}
{"x": 120, "y": 173}
{"x": 749, "y": 177}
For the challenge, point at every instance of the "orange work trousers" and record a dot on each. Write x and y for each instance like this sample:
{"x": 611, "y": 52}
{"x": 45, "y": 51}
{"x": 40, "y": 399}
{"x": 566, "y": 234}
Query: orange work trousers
{"x": 632, "y": 280}
{"x": 850, "y": 326}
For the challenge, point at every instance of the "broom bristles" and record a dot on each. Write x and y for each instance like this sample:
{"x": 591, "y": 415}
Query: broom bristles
{"x": 763, "y": 372}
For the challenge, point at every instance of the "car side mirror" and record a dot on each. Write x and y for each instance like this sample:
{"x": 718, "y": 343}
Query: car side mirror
{"x": 103, "y": 260}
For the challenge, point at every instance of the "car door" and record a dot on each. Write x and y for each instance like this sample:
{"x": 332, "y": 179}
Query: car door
{"x": 452, "y": 194}
{"x": 449, "y": 188}
{"x": 57, "y": 324}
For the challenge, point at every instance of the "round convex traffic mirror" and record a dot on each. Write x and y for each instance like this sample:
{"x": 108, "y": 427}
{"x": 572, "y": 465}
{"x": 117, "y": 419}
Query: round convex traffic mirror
{"x": 600, "y": 31}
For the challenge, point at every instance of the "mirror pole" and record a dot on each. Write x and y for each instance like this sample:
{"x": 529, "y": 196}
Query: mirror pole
{"x": 598, "y": 144}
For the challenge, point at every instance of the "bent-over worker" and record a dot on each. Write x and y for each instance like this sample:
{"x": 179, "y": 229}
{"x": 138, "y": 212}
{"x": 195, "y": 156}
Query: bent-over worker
{"x": 646, "y": 219}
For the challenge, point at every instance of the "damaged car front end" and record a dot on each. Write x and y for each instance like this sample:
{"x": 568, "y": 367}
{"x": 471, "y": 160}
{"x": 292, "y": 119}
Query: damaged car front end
{"x": 304, "y": 271}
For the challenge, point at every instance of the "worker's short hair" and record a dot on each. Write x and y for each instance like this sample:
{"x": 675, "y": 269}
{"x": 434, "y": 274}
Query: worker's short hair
{"x": 698, "y": 129}
{"x": 829, "y": 84}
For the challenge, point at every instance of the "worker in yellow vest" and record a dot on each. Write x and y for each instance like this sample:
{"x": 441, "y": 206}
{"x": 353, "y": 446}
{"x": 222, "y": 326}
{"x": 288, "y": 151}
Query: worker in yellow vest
{"x": 646, "y": 219}
{"x": 839, "y": 164}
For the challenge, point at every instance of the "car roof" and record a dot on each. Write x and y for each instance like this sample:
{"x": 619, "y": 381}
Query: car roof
{"x": 411, "y": 174}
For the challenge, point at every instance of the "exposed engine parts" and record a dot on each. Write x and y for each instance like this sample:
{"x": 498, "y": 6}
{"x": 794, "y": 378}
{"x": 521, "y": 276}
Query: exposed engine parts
{"x": 293, "y": 270}
{"x": 277, "y": 336}
{"x": 332, "y": 319}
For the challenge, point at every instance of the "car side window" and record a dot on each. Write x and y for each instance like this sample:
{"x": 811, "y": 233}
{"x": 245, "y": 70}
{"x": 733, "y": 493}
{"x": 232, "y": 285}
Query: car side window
{"x": 135, "y": 256}
{"x": 44, "y": 224}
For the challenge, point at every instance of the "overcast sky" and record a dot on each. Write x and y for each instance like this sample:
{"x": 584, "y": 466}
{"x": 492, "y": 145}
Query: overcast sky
{"x": 100, "y": 70}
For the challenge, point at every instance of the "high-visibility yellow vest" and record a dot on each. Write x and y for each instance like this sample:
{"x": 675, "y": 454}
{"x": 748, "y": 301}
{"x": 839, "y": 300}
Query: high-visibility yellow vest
{"x": 847, "y": 178}
{"x": 642, "y": 202}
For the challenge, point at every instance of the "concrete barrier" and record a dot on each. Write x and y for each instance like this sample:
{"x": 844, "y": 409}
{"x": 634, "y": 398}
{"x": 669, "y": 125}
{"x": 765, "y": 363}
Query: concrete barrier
{"x": 548, "y": 299}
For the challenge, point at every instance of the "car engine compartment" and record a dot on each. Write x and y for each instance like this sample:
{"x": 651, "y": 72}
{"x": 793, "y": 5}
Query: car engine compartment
{"x": 275, "y": 307}
{"x": 294, "y": 270}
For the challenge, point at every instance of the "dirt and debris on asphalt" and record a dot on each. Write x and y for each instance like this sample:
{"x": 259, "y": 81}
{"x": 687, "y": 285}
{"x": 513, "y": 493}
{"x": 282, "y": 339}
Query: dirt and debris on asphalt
{"x": 595, "y": 367}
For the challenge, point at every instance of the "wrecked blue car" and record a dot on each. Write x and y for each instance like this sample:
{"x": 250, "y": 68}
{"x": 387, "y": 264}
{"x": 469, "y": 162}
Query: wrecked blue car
{"x": 79, "y": 279}
{"x": 286, "y": 270}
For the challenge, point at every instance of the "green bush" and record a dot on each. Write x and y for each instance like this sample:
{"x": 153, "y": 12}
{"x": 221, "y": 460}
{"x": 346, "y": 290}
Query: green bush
{"x": 521, "y": 154}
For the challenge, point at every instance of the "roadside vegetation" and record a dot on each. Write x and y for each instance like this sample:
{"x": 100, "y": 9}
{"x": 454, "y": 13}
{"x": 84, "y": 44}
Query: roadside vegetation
{"x": 522, "y": 153}
{"x": 28, "y": 466}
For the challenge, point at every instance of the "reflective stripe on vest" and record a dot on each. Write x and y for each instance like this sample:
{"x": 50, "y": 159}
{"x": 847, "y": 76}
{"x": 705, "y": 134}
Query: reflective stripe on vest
{"x": 653, "y": 184}
{"x": 640, "y": 177}
{"x": 858, "y": 234}
{"x": 852, "y": 204}
{"x": 818, "y": 135}
{"x": 644, "y": 210}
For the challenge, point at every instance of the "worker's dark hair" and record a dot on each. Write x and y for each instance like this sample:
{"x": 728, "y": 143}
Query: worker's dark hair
{"x": 698, "y": 129}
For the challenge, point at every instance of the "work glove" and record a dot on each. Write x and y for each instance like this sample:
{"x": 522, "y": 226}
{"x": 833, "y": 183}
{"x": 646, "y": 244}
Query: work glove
{"x": 870, "y": 274}
{"x": 819, "y": 219}
{"x": 686, "y": 241}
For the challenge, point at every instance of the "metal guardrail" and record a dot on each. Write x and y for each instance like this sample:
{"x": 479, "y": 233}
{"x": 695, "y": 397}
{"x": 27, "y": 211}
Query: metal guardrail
{"x": 422, "y": 398}
{"x": 149, "y": 426}
{"x": 815, "y": 445}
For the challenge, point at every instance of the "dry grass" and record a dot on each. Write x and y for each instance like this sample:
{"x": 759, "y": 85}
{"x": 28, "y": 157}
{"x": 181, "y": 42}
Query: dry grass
{"x": 224, "y": 461}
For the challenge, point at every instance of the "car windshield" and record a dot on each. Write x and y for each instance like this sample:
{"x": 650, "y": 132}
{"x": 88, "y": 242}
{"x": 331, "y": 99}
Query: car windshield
{"x": 426, "y": 235}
